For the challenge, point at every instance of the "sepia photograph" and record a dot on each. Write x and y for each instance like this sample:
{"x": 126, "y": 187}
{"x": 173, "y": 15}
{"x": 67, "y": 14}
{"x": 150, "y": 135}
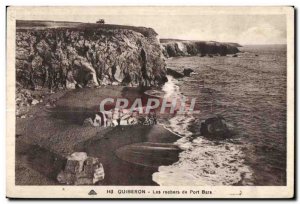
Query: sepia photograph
{"x": 150, "y": 102}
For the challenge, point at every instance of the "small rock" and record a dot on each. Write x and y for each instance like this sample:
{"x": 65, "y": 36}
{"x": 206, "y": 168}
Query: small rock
{"x": 34, "y": 102}
{"x": 187, "y": 72}
{"x": 23, "y": 116}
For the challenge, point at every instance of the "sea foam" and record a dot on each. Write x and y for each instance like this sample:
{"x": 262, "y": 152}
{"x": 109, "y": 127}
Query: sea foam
{"x": 202, "y": 162}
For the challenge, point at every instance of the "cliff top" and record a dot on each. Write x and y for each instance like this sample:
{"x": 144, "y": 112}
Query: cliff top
{"x": 36, "y": 24}
{"x": 169, "y": 40}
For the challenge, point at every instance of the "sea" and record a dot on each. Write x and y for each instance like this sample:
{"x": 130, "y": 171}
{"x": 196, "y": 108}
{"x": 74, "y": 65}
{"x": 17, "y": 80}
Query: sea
{"x": 249, "y": 91}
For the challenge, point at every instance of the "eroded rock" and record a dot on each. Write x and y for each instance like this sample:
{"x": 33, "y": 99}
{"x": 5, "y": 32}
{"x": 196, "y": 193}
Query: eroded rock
{"x": 174, "y": 73}
{"x": 214, "y": 127}
{"x": 187, "y": 71}
{"x": 81, "y": 169}
{"x": 175, "y": 48}
{"x": 45, "y": 57}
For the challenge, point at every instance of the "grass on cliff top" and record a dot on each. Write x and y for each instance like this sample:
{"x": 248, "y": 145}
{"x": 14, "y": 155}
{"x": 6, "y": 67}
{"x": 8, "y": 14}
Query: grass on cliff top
{"x": 35, "y": 24}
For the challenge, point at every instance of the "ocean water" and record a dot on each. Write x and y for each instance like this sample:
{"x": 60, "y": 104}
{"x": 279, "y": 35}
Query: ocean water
{"x": 250, "y": 92}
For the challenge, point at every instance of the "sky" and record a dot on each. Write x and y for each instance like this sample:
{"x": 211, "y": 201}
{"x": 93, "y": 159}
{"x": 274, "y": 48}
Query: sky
{"x": 242, "y": 28}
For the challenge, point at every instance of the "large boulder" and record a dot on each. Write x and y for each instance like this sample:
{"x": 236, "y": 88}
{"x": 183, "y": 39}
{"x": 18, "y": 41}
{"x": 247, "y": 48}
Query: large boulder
{"x": 214, "y": 127}
{"x": 81, "y": 170}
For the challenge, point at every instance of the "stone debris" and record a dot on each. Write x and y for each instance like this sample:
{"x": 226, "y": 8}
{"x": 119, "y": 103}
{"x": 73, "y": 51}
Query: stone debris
{"x": 81, "y": 169}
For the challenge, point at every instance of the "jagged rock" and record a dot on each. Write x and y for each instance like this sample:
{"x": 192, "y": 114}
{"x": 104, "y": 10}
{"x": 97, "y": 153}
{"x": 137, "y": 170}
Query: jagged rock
{"x": 75, "y": 162}
{"x": 174, "y": 48}
{"x": 81, "y": 170}
{"x": 127, "y": 55}
{"x": 187, "y": 71}
{"x": 214, "y": 127}
{"x": 93, "y": 169}
{"x": 174, "y": 73}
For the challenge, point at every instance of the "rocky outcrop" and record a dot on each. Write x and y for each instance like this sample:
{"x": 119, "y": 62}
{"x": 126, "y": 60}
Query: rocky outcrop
{"x": 177, "y": 75}
{"x": 214, "y": 127}
{"x": 187, "y": 71}
{"x": 175, "y": 48}
{"x": 174, "y": 73}
{"x": 81, "y": 170}
{"x": 79, "y": 55}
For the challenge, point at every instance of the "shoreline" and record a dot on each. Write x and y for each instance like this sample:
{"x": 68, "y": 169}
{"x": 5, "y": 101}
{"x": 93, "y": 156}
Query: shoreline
{"x": 137, "y": 151}
{"x": 40, "y": 154}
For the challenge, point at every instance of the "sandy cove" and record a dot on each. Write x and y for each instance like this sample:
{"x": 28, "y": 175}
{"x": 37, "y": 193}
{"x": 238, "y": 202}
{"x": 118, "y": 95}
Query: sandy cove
{"x": 44, "y": 139}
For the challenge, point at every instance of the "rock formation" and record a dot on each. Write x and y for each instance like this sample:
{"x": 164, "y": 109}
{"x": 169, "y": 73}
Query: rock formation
{"x": 174, "y": 73}
{"x": 214, "y": 127}
{"x": 187, "y": 71}
{"x": 175, "y": 48}
{"x": 81, "y": 170}
{"x": 54, "y": 57}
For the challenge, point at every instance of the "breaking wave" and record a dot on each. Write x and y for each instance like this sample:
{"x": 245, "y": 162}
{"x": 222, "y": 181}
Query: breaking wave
{"x": 202, "y": 162}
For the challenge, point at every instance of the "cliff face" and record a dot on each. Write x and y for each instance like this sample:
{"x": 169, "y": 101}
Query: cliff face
{"x": 174, "y": 48}
{"x": 51, "y": 57}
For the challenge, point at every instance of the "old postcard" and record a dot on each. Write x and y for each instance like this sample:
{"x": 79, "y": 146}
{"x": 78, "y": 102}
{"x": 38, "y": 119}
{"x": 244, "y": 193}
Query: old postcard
{"x": 150, "y": 102}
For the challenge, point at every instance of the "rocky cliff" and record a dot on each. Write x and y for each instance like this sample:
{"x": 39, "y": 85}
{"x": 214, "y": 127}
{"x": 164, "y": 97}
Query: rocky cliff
{"x": 57, "y": 55}
{"x": 174, "y": 48}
